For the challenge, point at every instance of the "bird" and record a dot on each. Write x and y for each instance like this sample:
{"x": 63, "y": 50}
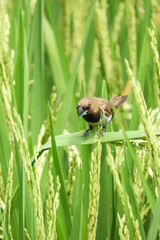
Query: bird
{"x": 98, "y": 111}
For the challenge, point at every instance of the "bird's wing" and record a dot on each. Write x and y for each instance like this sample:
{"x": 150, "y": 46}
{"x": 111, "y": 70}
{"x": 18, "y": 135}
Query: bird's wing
{"x": 118, "y": 101}
{"x": 107, "y": 107}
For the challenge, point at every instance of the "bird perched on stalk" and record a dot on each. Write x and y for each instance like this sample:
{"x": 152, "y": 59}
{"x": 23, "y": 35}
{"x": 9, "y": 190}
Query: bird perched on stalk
{"x": 98, "y": 111}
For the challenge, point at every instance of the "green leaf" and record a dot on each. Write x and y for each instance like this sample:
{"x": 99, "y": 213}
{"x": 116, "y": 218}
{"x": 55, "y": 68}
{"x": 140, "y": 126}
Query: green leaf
{"x": 106, "y": 201}
{"x": 26, "y": 85}
{"x": 36, "y": 48}
{"x": 109, "y": 137}
{"x": 5, "y": 148}
{"x": 64, "y": 218}
{"x": 54, "y": 58}
{"x": 19, "y": 69}
{"x": 155, "y": 223}
{"x": 104, "y": 90}
{"x": 13, "y": 36}
{"x": 76, "y": 226}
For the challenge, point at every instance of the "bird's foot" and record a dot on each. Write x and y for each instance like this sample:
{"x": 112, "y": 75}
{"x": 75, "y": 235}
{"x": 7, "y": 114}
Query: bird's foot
{"x": 86, "y": 133}
{"x": 101, "y": 133}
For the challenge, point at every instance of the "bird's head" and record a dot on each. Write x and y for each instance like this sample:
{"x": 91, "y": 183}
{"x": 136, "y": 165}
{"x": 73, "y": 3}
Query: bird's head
{"x": 83, "y": 107}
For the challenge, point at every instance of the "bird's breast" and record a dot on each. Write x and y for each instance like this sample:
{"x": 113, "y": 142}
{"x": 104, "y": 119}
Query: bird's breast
{"x": 105, "y": 121}
{"x": 92, "y": 117}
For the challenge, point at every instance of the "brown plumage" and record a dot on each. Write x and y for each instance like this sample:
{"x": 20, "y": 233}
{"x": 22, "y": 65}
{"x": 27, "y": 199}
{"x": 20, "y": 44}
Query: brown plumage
{"x": 90, "y": 108}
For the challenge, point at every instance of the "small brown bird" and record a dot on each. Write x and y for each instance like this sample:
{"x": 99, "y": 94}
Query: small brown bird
{"x": 98, "y": 111}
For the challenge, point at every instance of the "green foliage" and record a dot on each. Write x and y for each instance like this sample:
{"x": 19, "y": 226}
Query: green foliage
{"x": 55, "y": 184}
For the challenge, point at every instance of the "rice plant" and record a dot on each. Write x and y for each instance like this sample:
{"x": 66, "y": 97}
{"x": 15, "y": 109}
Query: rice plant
{"x": 54, "y": 184}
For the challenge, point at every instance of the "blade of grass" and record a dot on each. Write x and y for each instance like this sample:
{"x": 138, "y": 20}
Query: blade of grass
{"x": 26, "y": 84}
{"x": 104, "y": 90}
{"x": 76, "y": 226}
{"x": 14, "y": 25}
{"x": 19, "y": 69}
{"x": 65, "y": 111}
{"x": 22, "y": 194}
{"x": 85, "y": 157}
{"x": 22, "y": 206}
{"x": 5, "y": 148}
{"x": 27, "y": 15}
{"x": 77, "y": 139}
{"x": 83, "y": 233}
{"x": 54, "y": 57}
{"x": 106, "y": 208}
{"x": 155, "y": 224}
{"x": 37, "y": 95}
{"x": 21, "y": 185}
{"x": 59, "y": 64}
{"x": 65, "y": 219}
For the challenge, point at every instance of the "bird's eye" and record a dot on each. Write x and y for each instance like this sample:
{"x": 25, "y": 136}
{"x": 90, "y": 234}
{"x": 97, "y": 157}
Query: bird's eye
{"x": 87, "y": 106}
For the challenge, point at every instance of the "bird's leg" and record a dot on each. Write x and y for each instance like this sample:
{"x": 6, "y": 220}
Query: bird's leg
{"x": 87, "y": 131}
{"x": 101, "y": 133}
{"x": 103, "y": 129}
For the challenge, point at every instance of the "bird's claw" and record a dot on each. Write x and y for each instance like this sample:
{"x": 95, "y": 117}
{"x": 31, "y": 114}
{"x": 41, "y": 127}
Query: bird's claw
{"x": 101, "y": 133}
{"x": 86, "y": 133}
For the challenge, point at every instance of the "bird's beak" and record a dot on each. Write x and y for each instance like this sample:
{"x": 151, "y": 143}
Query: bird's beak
{"x": 81, "y": 112}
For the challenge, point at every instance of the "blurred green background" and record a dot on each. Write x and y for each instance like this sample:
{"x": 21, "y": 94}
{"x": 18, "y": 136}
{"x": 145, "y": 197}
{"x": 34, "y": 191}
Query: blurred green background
{"x": 53, "y": 53}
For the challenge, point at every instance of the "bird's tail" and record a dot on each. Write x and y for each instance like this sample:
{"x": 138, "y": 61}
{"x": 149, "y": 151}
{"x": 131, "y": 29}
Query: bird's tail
{"x": 118, "y": 101}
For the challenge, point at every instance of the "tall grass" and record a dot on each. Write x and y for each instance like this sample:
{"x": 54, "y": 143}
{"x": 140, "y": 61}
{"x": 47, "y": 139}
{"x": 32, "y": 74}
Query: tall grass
{"x": 53, "y": 183}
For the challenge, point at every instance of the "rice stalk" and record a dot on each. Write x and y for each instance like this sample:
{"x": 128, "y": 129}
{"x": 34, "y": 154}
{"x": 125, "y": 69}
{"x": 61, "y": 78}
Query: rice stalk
{"x": 79, "y": 14}
{"x": 94, "y": 189}
{"x": 154, "y": 9}
{"x": 153, "y": 43}
{"x": 16, "y": 128}
{"x": 102, "y": 30}
{"x": 52, "y": 204}
{"x": 132, "y": 35}
{"x": 117, "y": 22}
{"x": 34, "y": 188}
{"x": 118, "y": 80}
{"x": 7, "y": 202}
{"x": 111, "y": 164}
{"x": 74, "y": 160}
{"x": 27, "y": 234}
{"x": 95, "y": 70}
{"x": 153, "y": 144}
{"x": 123, "y": 230}
{"x": 66, "y": 26}
{"x": 143, "y": 155}
{"x": 2, "y": 193}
